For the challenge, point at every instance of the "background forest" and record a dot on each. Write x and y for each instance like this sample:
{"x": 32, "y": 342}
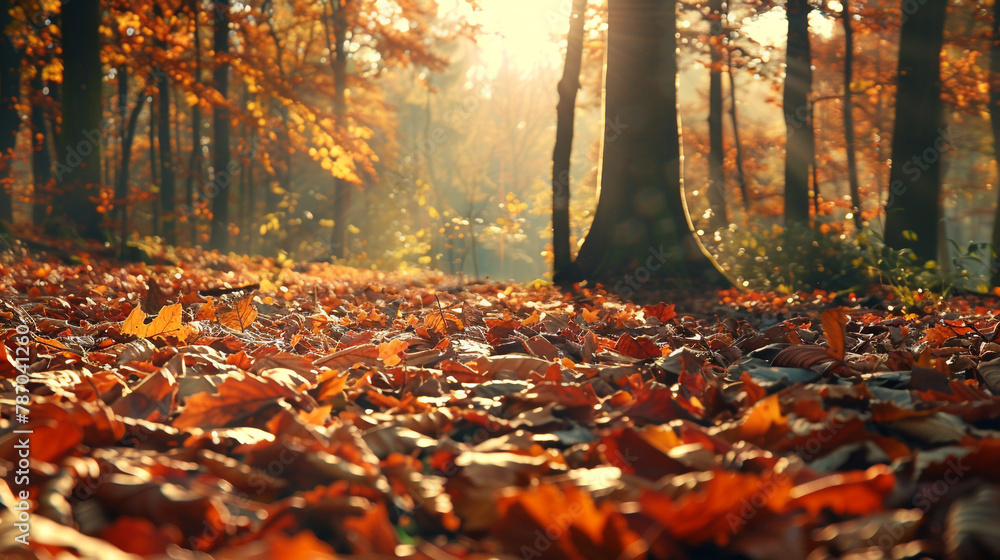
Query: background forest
{"x": 389, "y": 133}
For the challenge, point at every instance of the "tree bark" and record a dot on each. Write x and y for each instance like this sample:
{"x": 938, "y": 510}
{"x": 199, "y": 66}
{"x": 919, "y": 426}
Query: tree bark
{"x": 849, "y": 141}
{"x": 195, "y": 161}
{"x": 168, "y": 189}
{"x": 716, "y": 149}
{"x": 338, "y": 61}
{"x": 10, "y": 120}
{"x": 41, "y": 158}
{"x": 640, "y": 226}
{"x": 221, "y": 180}
{"x": 995, "y": 127}
{"x": 124, "y": 169}
{"x": 741, "y": 177}
{"x": 913, "y": 211}
{"x": 798, "y": 132}
{"x": 79, "y": 170}
{"x": 569, "y": 85}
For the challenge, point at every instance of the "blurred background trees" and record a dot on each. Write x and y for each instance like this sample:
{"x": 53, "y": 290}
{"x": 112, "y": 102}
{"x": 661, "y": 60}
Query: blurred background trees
{"x": 392, "y": 133}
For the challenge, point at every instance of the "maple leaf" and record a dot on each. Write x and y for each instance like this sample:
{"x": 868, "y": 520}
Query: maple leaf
{"x": 391, "y": 352}
{"x": 240, "y": 316}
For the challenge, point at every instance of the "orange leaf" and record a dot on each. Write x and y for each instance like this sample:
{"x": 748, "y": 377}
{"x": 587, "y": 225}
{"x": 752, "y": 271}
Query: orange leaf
{"x": 642, "y": 348}
{"x": 236, "y": 400}
{"x": 661, "y": 311}
{"x": 167, "y": 322}
{"x": 240, "y": 317}
{"x": 835, "y": 328}
{"x": 390, "y": 352}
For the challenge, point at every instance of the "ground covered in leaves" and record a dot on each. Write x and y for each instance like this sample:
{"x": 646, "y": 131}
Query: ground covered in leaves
{"x": 323, "y": 411}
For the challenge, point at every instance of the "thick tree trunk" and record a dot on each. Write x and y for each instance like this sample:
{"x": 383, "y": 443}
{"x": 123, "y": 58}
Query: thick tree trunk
{"x": 341, "y": 194}
{"x": 716, "y": 149}
{"x": 10, "y": 121}
{"x": 221, "y": 180}
{"x": 798, "y": 132}
{"x": 640, "y": 227}
{"x": 913, "y": 211}
{"x": 569, "y": 85}
{"x": 79, "y": 169}
{"x": 852, "y": 156}
{"x": 41, "y": 158}
{"x": 168, "y": 191}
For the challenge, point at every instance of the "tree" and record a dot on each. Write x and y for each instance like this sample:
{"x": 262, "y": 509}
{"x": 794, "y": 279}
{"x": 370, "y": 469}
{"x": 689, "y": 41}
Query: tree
{"x": 716, "y": 150}
{"x": 994, "y": 109}
{"x": 41, "y": 159}
{"x": 569, "y": 85}
{"x": 640, "y": 226}
{"x": 852, "y": 156}
{"x": 913, "y": 211}
{"x": 79, "y": 167}
{"x": 798, "y": 126}
{"x": 168, "y": 191}
{"x": 10, "y": 120}
{"x": 220, "y": 126}
{"x": 338, "y": 64}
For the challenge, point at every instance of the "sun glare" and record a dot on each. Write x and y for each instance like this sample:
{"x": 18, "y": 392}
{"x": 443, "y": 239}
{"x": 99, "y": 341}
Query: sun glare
{"x": 525, "y": 33}
{"x": 770, "y": 29}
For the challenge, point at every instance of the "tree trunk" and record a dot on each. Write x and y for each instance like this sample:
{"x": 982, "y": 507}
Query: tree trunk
{"x": 338, "y": 61}
{"x": 221, "y": 180}
{"x": 10, "y": 121}
{"x": 995, "y": 126}
{"x": 167, "y": 185}
{"x": 195, "y": 161}
{"x": 569, "y": 85}
{"x": 128, "y": 136}
{"x": 913, "y": 209}
{"x": 79, "y": 169}
{"x": 798, "y": 132}
{"x": 741, "y": 177}
{"x": 852, "y": 157}
{"x": 41, "y": 158}
{"x": 640, "y": 226}
{"x": 716, "y": 150}
{"x": 153, "y": 168}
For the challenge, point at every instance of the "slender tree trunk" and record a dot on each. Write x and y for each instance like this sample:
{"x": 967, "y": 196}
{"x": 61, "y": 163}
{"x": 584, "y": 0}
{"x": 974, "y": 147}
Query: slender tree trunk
{"x": 341, "y": 193}
{"x": 798, "y": 133}
{"x": 640, "y": 226}
{"x": 716, "y": 149}
{"x": 569, "y": 85}
{"x": 221, "y": 180}
{"x": 741, "y": 177}
{"x": 153, "y": 168}
{"x": 80, "y": 142}
{"x": 10, "y": 121}
{"x": 196, "y": 165}
{"x": 41, "y": 158}
{"x": 168, "y": 191}
{"x": 995, "y": 126}
{"x": 852, "y": 156}
{"x": 128, "y": 137}
{"x": 913, "y": 211}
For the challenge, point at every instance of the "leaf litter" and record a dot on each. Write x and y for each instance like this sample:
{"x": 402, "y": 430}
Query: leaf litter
{"x": 235, "y": 408}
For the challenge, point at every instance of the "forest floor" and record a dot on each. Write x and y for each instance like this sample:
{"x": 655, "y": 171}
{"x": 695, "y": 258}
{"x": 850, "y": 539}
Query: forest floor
{"x": 245, "y": 409}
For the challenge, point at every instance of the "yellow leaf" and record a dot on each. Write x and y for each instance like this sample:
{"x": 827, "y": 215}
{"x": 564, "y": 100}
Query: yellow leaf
{"x": 135, "y": 323}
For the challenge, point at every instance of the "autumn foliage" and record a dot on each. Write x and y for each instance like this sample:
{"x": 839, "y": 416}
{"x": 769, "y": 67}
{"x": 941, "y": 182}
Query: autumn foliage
{"x": 323, "y": 411}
